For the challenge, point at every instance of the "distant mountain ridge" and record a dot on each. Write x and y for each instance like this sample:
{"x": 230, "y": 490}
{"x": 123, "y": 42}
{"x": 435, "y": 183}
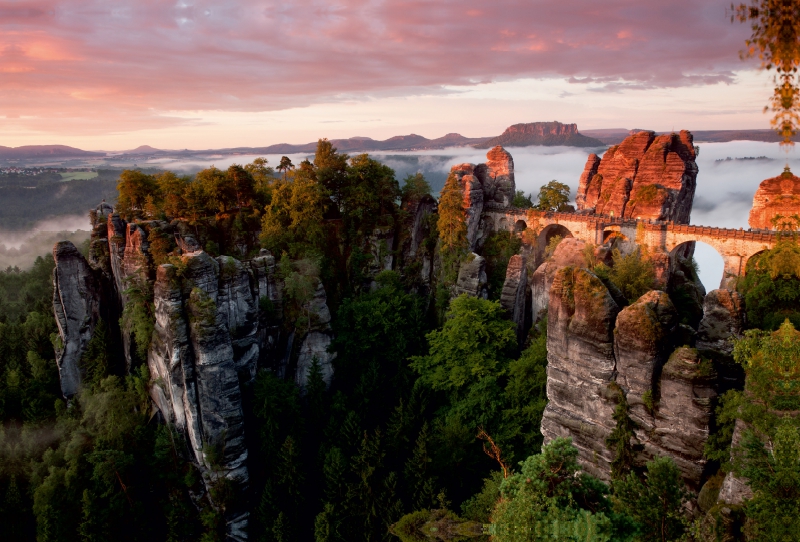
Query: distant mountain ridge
{"x": 519, "y": 135}
{"x": 541, "y": 133}
{"x": 45, "y": 151}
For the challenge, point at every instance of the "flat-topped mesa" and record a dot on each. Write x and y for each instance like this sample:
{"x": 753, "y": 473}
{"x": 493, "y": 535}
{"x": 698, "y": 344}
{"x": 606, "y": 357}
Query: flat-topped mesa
{"x": 542, "y": 133}
{"x": 646, "y": 176}
{"x": 776, "y": 201}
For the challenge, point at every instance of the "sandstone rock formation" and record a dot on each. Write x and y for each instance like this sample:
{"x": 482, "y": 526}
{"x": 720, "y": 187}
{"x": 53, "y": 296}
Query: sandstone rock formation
{"x": 580, "y": 366}
{"x": 776, "y": 197}
{"x": 514, "y": 295}
{"x": 735, "y": 489}
{"x": 647, "y": 176}
{"x": 489, "y": 186}
{"x": 499, "y": 184}
{"x": 316, "y": 342}
{"x": 542, "y": 133}
{"x": 203, "y": 345}
{"x": 723, "y": 320}
{"x": 472, "y": 277}
{"x": 597, "y": 352}
{"x": 472, "y": 189}
{"x": 77, "y": 296}
{"x": 641, "y": 346}
{"x": 216, "y": 321}
{"x": 680, "y": 424}
{"x": 569, "y": 252}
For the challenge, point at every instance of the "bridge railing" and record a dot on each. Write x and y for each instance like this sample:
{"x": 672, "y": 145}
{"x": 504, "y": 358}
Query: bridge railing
{"x": 653, "y": 225}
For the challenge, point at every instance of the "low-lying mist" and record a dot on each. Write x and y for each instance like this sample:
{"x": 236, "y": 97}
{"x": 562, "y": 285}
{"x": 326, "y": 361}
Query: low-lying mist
{"x": 21, "y": 248}
{"x": 724, "y": 194}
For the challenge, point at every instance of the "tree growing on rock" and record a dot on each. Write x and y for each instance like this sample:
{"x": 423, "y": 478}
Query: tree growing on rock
{"x": 554, "y": 196}
{"x": 452, "y": 228}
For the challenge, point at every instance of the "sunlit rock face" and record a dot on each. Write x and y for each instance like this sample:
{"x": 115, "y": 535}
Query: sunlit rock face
{"x": 776, "y": 201}
{"x": 499, "y": 178}
{"x": 485, "y": 187}
{"x": 568, "y": 252}
{"x": 646, "y": 176}
{"x": 472, "y": 190}
{"x": 580, "y": 366}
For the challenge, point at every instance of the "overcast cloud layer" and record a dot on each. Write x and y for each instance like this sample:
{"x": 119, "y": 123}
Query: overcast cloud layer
{"x": 90, "y": 65}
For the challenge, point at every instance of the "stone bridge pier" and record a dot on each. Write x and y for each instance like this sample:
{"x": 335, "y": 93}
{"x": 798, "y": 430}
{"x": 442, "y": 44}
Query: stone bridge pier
{"x": 664, "y": 240}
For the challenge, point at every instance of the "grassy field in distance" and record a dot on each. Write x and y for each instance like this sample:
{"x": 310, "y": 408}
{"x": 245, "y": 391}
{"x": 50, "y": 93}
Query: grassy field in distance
{"x": 82, "y": 175}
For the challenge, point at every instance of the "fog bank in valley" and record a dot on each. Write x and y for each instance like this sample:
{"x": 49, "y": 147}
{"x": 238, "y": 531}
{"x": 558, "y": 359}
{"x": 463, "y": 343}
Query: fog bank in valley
{"x": 729, "y": 176}
{"x": 21, "y": 248}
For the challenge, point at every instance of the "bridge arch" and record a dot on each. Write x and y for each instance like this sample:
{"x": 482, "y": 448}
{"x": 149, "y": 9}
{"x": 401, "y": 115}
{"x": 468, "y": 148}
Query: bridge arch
{"x": 711, "y": 265}
{"x": 611, "y": 233}
{"x": 546, "y": 235}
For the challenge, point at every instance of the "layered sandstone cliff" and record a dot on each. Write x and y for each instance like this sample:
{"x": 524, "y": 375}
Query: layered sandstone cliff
{"x": 599, "y": 354}
{"x": 646, "y": 176}
{"x": 217, "y": 320}
{"x": 775, "y": 202}
{"x": 486, "y": 187}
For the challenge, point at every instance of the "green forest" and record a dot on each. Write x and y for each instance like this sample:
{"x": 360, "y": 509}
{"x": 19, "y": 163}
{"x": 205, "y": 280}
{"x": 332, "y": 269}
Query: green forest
{"x": 429, "y": 429}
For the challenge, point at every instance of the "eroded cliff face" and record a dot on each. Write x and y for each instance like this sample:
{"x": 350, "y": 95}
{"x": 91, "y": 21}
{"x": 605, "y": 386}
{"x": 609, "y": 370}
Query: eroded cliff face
{"x": 580, "y": 366}
{"x": 775, "y": 197}
{"x": 599, "y": 353}
{"x": 203, "y": 346}
{"x": 77, "y": 299}
{"x": 646, "y": 176}
{"x": 486, "y": 187}
{"x": 216, "y": 322}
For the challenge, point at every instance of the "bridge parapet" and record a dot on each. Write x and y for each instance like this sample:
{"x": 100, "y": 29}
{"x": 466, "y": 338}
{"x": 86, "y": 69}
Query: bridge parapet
{"x": 735, "y": 246}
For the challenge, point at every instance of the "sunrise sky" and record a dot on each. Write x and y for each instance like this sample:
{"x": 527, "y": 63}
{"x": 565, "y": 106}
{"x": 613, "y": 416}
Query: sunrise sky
{"x": 113, "y": 75}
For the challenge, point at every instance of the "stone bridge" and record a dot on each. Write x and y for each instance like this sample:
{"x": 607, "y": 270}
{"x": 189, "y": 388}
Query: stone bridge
{"x": 663, "y": 239}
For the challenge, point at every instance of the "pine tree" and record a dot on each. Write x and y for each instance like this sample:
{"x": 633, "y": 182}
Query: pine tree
{"x": 417, "y": 473}
{"x": 619, "y": 441}
{"x": 452, "y": 227}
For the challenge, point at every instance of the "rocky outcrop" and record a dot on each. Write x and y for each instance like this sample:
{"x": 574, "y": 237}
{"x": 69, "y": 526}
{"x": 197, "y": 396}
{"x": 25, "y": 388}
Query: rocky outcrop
{"x": 778, "y": 196}
{"x": 203, "y": 344}
{"x": 723, "y": 320}
{"x": 599, "y": 354}
{"x": 736, "y": 489}
{"x": 99, "y": 256}
{"x": 420, "y": 227}
{"x": 684, "y": 285}
{"x": 580, "y": 366}
{"x": 316, "y": 342}
{"x": 472, "y": 277}
{"x": 646, "y": 176}
{"x": 587, "y": 183}
{"x": 77, "y": 298}
{"x": 542, "y": 133}
{"x": 679, "y": 426}
{"x": 569, "y": 252}
{"x": 641, "y": 345}
{"x": 485, "y": 187}
{"x": 499, "y": 184}
{"x": 472, "y": 191}
{"x": 129, "y": 260}
{"x": 513, "y": 298}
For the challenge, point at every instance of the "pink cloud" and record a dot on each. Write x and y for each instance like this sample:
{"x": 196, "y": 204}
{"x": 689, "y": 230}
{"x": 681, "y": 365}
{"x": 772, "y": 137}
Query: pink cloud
{"x": 87, "y": 64}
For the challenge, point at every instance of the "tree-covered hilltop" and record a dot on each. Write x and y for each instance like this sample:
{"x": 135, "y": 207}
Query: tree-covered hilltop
{"x": 418, "y": 417}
